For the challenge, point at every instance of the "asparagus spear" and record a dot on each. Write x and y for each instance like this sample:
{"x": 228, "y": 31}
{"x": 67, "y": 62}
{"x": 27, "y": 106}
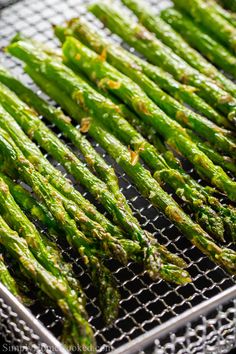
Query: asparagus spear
{"x": 132, "y": 248}
{"x": 203, "y": 213}
{"x": 63, "y": 185}
{"x": 57, "y": 117}
{"x": 84, "y": 31}
{"x": 101, "y": 276}
{"x": 73, "y": 49}
{"x": 44, "y": 136}
{"x": 227, "y": 214}
{"x": 74, "y": 111}
{"x": 159, "y": 54}
{"x": 42, "y": 248}
{"x": 88, "y": 226}
{"x": 172, "y": 39}
{"x": 225, "y": 162}
{"x": 39, "y": 212}
{"x": 205, "y": 14}
{"x": 200, "y": 40}
{"x": 148, "y": 132}
{"x": 149, "y": 188}
{"x": 166, "y": 205}
{"x": 136, "y": 98}
{"x": 29, "y": 204}
{"x": 163, "y": 173}
{"x": 149, "y": 112}
{"x": 206, "y": 194}
{"x": 56, "y": 289}
{"x": 227, "y": 15}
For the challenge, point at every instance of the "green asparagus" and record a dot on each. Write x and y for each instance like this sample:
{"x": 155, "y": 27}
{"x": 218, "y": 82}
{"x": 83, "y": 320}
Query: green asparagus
{"x": 149, "y": 188}
{"x": 206, "y": 194}
{"x": 88, "y": 226}
{"x": 64, "y": 186}
{"x": 204, "y": 214}
{"x": 28, "y": 203}
{"x": 74, "y": 111}
{"x": 57, "y": 117}
{"x": 227, "y": 214}
{"x": 55, "y": 288}
{"x": 227, "y": 15}
{"x": 159, "y": 54}
{"x": 43, "y": 250}
{"x": 203, "y": 13}
{"x": 40, "y": 213}
{"x": 172, "y": 39}
{"x": 148, "y": 132}
{"x": 132, "y": 248}
{"x": 84, "y": 31}
{"x": 149, "y": 112}
{"x": 200, "y": 40}
{"x": 73, "y": 50}
{"x": 44, "y": 136}
{"x": 101, "y": 276}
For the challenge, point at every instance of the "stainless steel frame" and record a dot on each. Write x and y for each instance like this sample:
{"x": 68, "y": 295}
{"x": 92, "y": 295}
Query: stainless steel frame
{"x": 154, "y": 317}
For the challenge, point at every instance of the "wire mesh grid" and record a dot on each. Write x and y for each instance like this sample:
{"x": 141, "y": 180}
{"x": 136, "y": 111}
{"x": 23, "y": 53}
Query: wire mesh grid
{"x": 213, "y": 333}
{"x": 144, "y": 303}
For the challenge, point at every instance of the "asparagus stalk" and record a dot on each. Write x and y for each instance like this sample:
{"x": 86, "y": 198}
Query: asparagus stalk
{"x": 40, "y": 213}
{"x": 57, "y": 117}
{"x": 74, "y": 111}
{"x": 172, "y": 39}
{"x": 225, "y": 162}
{"x": 46, "y": 253}
{"x": 56, "y": 289}
{"x": 206, "y": 194}
{"x": 29, "y": 204}
{"x": 149, "y": 112}
{"x": 44, "y": 136}
{"x": 70, "y": 106}
{"x": 88, "y": 226}
{"x": 152, "y": 189}
{"x": 101, "y": 276}
{"x": 132, "y": 248}
{"x": 200, "y": 40}
{"x": 205, "y": 14}
{"x": 149, "y": 188}
{"x": 72, "y": 49}
{"x": 116, "y": 249}
{"x": 227, "y": 15}
{"x": 149, "y": 133}
{"x": 64, "y": 186}
{"x": 227, "y": 214}
{"x": 84, "y": 31}
{"x": 205, "y": 215}
{"x": 159, "y": 54}
{"x": 131, "y": 137}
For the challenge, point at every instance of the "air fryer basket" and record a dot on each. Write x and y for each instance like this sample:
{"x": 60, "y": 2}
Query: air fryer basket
{"x": 155, "y": 317}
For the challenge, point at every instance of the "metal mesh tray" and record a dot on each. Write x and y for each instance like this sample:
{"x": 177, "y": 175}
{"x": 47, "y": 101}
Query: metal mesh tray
{"x": 148, "y": 310}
